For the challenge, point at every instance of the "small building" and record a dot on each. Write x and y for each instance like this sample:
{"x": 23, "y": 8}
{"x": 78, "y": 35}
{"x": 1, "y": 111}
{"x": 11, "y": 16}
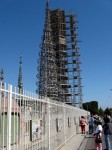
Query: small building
{"x": 15, "y": 121}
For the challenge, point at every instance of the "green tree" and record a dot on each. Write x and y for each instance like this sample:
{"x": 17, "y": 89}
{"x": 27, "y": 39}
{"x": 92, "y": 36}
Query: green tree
{"x": 108, "y": 111}
{"x": 101, "y": 112}
{"x": 91, "y": 106}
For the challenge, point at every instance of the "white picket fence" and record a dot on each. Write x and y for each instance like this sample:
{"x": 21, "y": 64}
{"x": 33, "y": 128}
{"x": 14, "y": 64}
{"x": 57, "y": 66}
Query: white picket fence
{"x": 30, "y": 123}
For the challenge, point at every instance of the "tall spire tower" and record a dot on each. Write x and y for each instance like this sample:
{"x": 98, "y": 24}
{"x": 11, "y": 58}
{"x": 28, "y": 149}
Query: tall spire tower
{"x": 2, "y": 75}
{"x": 20, "y": 82}
{"x": 59, "y": 72}
{"x": 47, "y": 68}
{"x": 2, "y": 80}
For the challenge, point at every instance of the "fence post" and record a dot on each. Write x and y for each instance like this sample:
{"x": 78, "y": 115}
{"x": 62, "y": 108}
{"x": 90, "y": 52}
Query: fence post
{"x": 0, "y": 115}
{"x": 49, "y": 124}
{"x": 9, "y": 106}
{"x": 64, "y": 123}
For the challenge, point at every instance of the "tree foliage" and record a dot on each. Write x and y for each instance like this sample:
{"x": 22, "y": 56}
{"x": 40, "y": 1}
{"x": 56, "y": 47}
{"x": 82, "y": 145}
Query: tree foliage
{"x": 101, "y": 112}
{"x": 92, "y": 107}
{"x": 108, "y": 111}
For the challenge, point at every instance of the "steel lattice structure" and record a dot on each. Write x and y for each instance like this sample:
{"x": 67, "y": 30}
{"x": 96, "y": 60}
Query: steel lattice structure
{"x": 47, "y": 70}
{"x": 20, "y": 81}
{"x": 59, "y": 73}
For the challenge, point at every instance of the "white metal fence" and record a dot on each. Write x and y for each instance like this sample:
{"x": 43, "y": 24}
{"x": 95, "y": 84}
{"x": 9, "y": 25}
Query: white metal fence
{"x": 30, "y": 123}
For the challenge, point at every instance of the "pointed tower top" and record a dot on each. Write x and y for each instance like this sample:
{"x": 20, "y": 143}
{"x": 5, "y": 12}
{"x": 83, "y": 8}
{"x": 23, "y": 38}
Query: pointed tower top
{"x": 47, "y": 2}
{"x": 20, "y": 83}
{"x": 21, "y": 59}
{"x": 47, "y": 17}
{"x": 47, "y": 5}
{"x": 2, "y": 75}
{"x": 2, "y": 80}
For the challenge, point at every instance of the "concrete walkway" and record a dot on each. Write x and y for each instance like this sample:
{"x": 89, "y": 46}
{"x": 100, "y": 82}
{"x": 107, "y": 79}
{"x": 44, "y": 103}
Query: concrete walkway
{"x": 74, "y": 143}
{"x": 89, "y": 143}
{"x": 83, "y": 142}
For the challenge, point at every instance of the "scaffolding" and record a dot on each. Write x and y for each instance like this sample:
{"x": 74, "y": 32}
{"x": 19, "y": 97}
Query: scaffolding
{"x": 65, "y": 36}
{"x": 73, "y": 60}
{"x": 58, "y": 26}
{"x": 47, "y": 85}
{"x": 59, "y": 74}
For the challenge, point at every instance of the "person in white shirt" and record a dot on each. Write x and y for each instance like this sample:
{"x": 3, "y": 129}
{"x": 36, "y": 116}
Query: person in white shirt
{"x": 98, "y": 135}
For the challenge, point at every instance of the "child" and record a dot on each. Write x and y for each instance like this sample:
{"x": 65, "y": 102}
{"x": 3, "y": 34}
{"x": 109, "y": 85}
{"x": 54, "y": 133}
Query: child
{"x": 98, "y": 135}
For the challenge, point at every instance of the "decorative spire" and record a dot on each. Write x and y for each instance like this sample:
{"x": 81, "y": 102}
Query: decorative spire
{"x": 47, "y": 4}
{"x": 47, "y": 21}
{"x": 20, "y": 82}
{"x": 47, "y": 68}
{"x": 2, "y": 80}
{"x": 1, "y": 75}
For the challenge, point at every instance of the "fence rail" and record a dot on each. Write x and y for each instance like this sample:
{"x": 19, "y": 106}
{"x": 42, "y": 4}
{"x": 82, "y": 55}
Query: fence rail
{"x": 30, "y": 123}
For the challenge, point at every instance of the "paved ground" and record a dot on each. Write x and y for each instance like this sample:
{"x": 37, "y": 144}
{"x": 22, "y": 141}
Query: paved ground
{"x": 82, "y": 142}
{"x": 88, "y": 143}
{"x": 74, "y": 143}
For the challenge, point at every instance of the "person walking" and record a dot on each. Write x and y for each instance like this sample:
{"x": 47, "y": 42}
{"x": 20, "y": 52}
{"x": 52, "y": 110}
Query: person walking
{"x": 98, "y": 135}
{"x": 91, "y": 124}
{"x": 107, "y": 132}
{"x": 83, "y": 124}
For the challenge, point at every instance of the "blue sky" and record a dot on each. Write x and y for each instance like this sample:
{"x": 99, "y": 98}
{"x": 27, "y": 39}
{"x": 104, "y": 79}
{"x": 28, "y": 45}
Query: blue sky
{"x": 21, "y": 28}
